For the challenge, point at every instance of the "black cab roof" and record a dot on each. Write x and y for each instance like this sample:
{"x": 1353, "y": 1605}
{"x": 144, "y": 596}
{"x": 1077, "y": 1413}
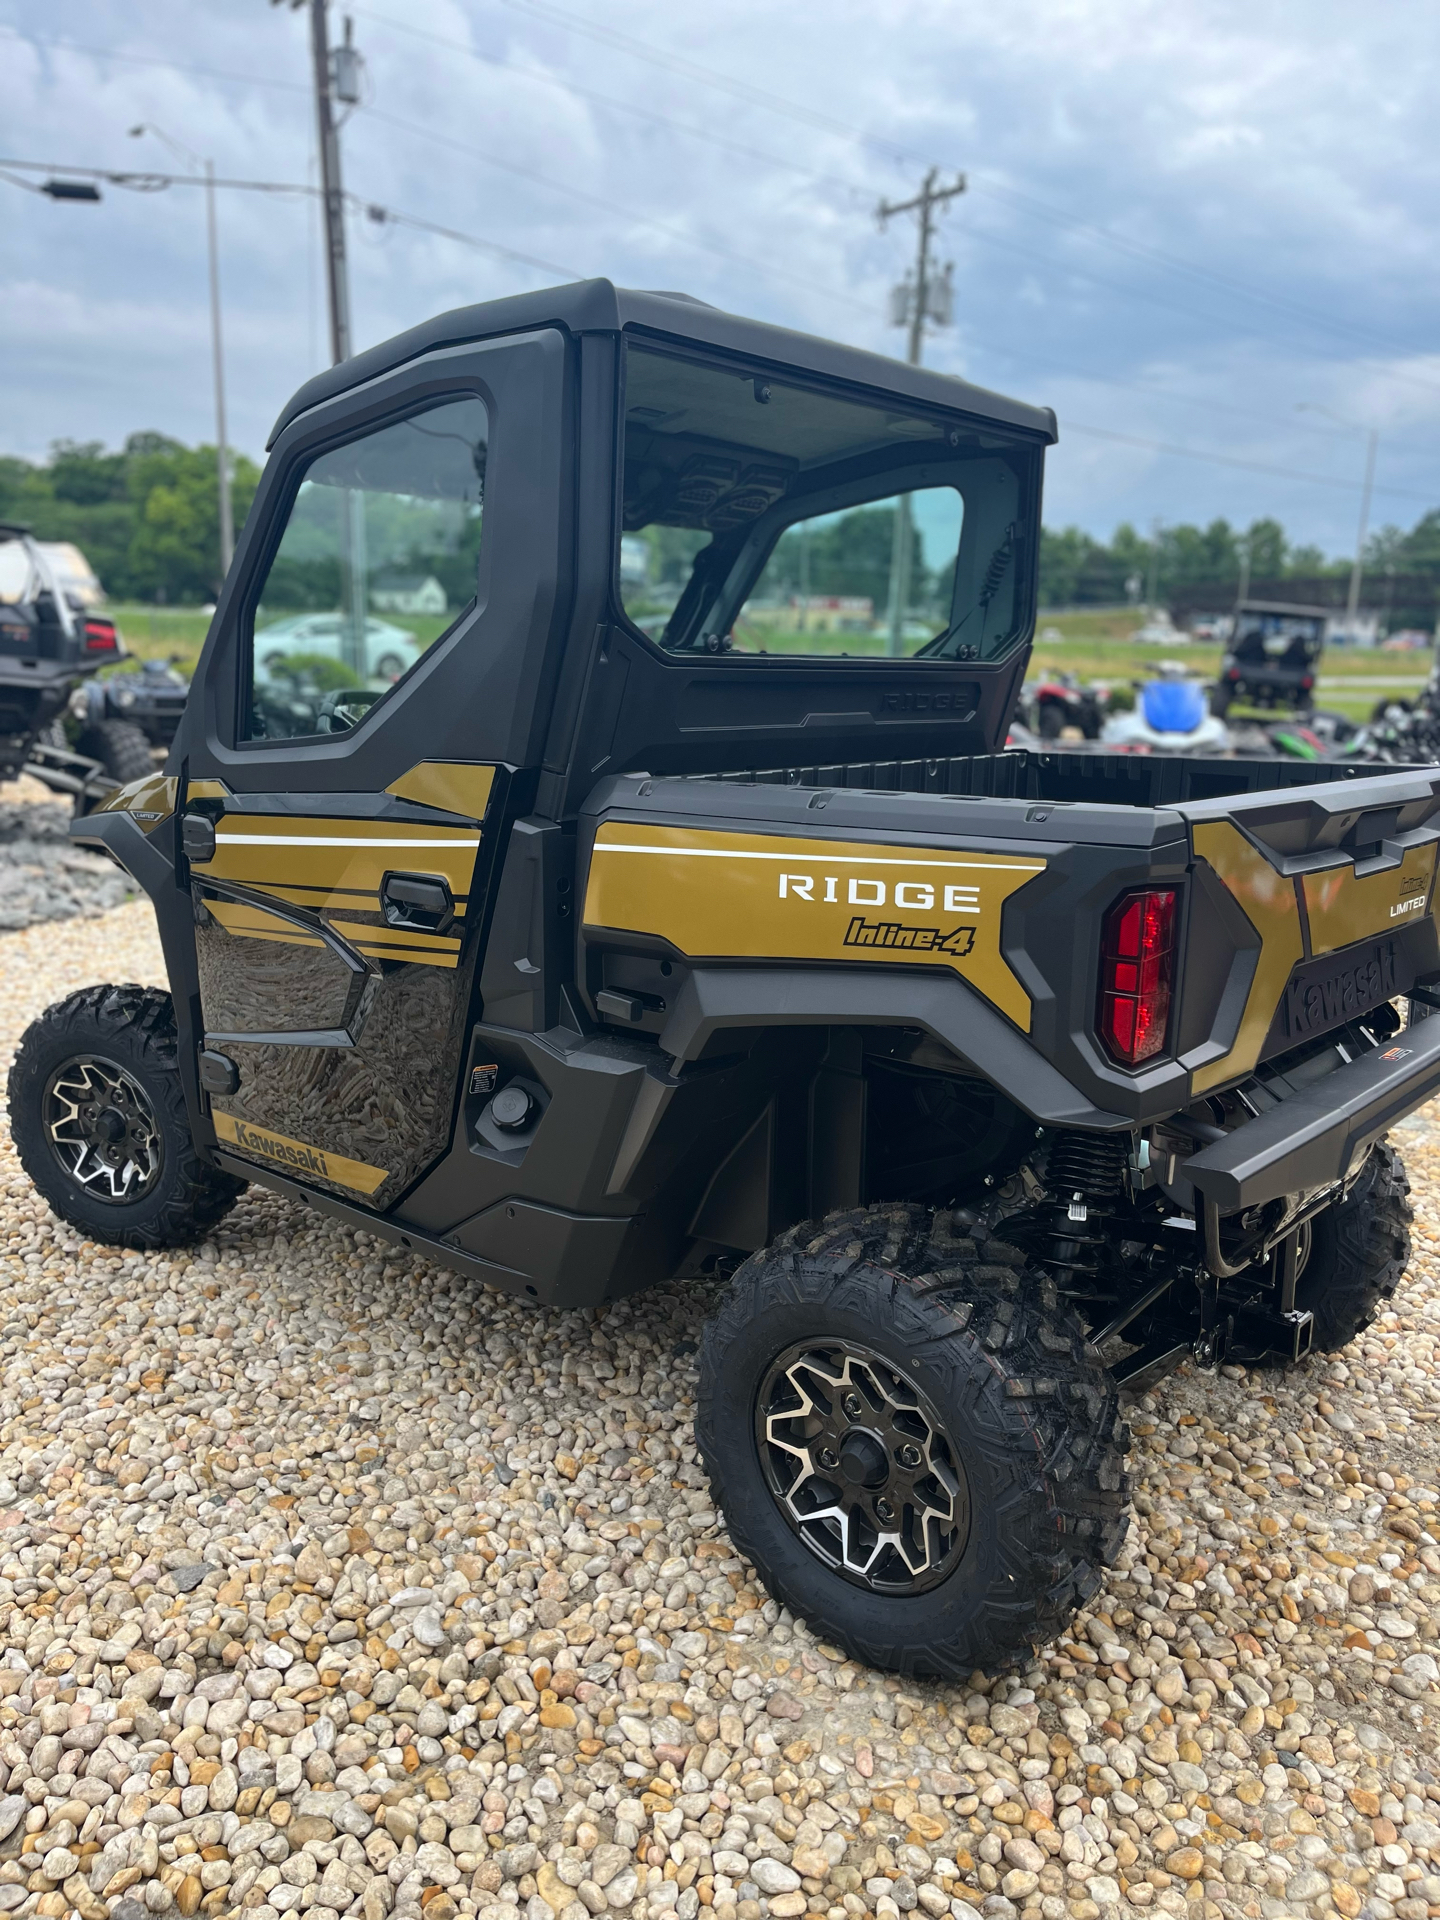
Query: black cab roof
{"x": 597, "y": 306}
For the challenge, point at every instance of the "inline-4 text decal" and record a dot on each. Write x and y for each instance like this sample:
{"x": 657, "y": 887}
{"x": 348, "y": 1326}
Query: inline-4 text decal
{"x": 894, "y": 934}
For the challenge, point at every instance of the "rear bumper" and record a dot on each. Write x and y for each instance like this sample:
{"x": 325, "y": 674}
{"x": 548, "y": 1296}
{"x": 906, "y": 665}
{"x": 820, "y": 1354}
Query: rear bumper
{"x": 1318, "y": 1134}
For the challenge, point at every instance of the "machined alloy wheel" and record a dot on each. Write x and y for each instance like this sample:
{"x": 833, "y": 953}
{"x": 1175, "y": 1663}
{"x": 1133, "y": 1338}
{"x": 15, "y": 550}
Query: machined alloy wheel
{"x": 910, "y": 1439}
{"x": 103, "y": 1130}
{"x": 862, "y": 1467}
{"x": 99, "y": 1120}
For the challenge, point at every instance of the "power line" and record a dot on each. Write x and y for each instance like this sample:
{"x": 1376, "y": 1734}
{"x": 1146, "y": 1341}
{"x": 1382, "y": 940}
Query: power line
{"x": 380, "y": 214}
{"x": 809, "y": 116}
{"x": 509, "y": 64}
{"x": 986, "y": 178}
{"x": 640, "y": 49}
{"x": 1136, "y": 249}
{"x": 1236, "y": 460}
{"x": 669, "y": 230}
{"x": 373, "y": 211}
{"x": 151, "y": 60}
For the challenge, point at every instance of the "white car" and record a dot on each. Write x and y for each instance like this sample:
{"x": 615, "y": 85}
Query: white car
{"x": 389, "y": 650}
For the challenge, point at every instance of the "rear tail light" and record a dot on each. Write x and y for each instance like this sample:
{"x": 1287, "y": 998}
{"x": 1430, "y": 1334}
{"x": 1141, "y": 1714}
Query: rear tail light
{"x": 1137, "y": 967}
{"x": 1233, "y": 674}
{"x": 100, "y": 636}
{"x": 1308, "y": 682}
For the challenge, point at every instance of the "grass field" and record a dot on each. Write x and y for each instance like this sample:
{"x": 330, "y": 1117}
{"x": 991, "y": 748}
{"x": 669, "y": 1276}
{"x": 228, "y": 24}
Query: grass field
{"x": 1096, "y": 646}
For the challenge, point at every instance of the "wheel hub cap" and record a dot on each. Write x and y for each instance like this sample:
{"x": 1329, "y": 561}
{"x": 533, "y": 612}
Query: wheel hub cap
{"x": 103, "y": 1130}
{"x": 861, "y": 1466}
{"x": 864, "y": 1461}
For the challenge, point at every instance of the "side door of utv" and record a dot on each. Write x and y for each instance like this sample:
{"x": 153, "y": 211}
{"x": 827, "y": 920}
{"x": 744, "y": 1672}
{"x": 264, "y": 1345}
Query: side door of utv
{"x": 375, "y": 677}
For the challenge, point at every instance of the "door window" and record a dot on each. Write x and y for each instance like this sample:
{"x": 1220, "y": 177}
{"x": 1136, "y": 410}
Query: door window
{"x": 376, "y": 563}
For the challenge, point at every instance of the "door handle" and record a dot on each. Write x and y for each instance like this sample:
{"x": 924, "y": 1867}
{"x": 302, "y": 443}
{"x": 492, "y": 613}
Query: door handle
{"x": 421, "y": 902}
{"x": 197, "y": 837}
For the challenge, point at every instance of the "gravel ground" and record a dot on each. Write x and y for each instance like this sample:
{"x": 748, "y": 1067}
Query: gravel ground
{"x": 43, "y": 877}
{"x": 332, "y": 1581}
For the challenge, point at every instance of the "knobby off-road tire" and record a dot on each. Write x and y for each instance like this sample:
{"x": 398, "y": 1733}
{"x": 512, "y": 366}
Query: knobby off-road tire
{"x": 121, "y": 749}
{"x": 1359, "y": 1251}
{"x": 982, "y": 1346}
{"x": 97, "y": 1075}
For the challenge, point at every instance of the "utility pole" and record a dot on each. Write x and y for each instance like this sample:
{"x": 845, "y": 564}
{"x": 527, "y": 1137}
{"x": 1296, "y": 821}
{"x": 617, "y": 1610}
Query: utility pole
{"x": 332, "y": 192}
{"x": 337, "y": 73}
{"x": 925, "y": 297}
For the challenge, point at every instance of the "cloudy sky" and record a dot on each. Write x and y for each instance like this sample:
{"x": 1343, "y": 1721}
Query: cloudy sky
{"x": 1202, "y": 230}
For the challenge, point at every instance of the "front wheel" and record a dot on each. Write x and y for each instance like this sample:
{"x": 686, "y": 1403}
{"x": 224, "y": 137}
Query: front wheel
{"x": 99, "y": 1122}
{"x": 910, "y": 1440}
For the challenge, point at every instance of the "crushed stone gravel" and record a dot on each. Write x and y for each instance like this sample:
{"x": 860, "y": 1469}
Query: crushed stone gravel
{"x": 331, "y": 1581}
{"x": 43, "y": 877}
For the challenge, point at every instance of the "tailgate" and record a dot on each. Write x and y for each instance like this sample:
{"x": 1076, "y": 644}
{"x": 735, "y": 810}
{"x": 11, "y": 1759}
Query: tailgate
{"x": 1338, "y": 881}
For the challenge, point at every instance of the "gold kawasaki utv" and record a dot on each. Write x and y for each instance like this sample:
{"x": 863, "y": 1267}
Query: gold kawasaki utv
{"x": 585, "y": 859}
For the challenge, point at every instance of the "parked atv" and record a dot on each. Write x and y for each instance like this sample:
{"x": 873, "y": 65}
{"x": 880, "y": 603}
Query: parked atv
{"x": 1047, "y": 707}
{"x": 122, "y": 719}
{"x": 580, "y": 957}
{"x": 47, "y": 649}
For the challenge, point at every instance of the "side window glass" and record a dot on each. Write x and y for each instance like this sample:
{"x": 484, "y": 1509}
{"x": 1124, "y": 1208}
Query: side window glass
{"x": 377, "y": 560}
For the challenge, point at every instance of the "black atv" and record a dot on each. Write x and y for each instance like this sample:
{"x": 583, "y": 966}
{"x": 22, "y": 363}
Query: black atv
{"x": 146, "y": 700}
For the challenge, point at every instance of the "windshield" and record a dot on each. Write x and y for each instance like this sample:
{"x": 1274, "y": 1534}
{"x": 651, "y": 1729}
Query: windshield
{"x": 770, "y": 519}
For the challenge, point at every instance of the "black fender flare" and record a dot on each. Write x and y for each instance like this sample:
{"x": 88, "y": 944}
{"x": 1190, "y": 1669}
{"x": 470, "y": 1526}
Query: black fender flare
{"x": 713, "y": 998}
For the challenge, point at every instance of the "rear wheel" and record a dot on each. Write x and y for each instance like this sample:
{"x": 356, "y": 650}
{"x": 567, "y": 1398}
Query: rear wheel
{"x": 911, "y": 1441}
{"x": 99, "y": 1122}
{"x": 121, "y": 749}
{"x": 1358, "y": 1253}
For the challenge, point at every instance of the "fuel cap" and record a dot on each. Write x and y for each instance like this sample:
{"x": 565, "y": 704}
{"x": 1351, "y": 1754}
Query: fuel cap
{"x": 511, "y": 1108}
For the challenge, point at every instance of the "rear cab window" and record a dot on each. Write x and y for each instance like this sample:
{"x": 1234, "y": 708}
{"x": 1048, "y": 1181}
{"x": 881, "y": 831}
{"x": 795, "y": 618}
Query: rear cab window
{"x": 771, "y": 519}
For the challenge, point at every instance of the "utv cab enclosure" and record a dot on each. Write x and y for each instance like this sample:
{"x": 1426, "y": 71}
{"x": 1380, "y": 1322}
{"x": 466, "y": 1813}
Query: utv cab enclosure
{"x": 1272, "y": 658}
{"x": 674, "y": 914}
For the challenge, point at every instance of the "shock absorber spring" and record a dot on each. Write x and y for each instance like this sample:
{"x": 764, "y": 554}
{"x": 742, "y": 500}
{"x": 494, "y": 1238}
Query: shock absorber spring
{"x": 1086, "y": 1174}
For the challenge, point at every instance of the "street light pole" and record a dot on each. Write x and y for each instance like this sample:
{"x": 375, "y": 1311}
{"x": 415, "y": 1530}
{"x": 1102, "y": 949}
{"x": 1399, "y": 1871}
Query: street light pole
{"x": 1367, "y": 488}
{"x": 217, "y": 351}
{"x": 217, "y": 346}
{"x": 1352, "y": 604}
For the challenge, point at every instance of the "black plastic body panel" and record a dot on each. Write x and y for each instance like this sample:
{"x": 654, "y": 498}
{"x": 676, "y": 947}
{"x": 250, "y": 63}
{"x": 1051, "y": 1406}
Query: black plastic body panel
{"x": 1320, "y": 1133}
{"x": 1099, "y": 779}
{"x": 1049, "y": 933}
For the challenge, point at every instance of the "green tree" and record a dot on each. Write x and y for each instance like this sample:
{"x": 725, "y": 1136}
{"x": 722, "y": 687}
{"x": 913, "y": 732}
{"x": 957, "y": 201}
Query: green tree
{"x": 146, "y": 517}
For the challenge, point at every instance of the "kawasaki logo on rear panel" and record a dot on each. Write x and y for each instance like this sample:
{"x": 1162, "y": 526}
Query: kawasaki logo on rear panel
{"x": 1348, "y": 988}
